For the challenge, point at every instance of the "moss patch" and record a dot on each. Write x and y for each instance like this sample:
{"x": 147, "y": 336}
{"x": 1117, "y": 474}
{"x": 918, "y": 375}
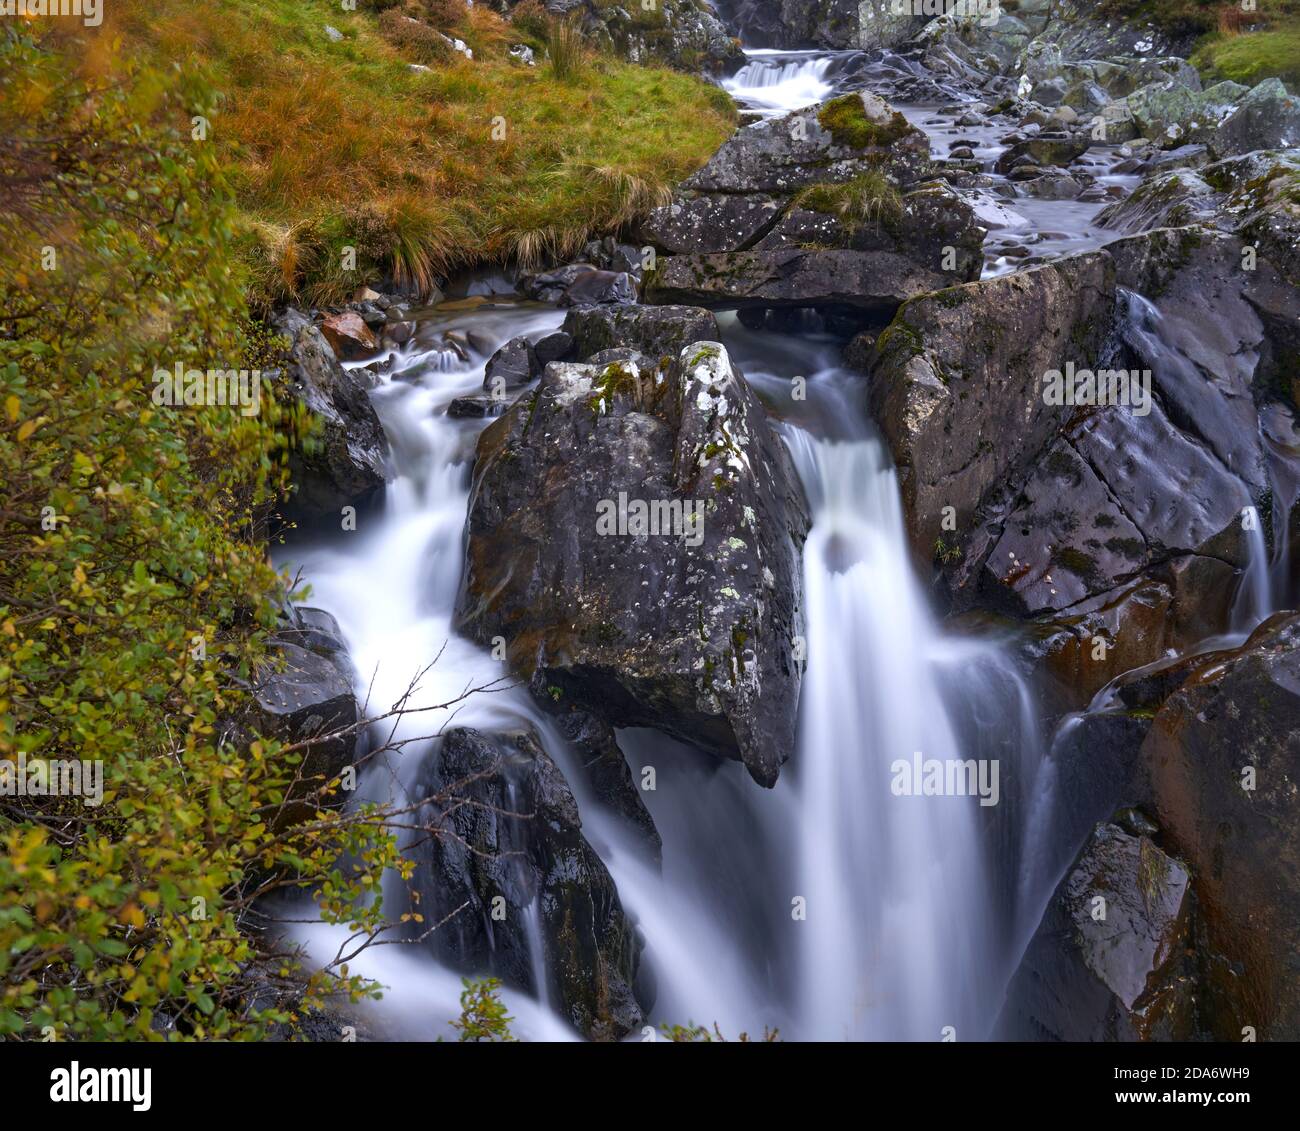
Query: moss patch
{"x": 845, "y": 119}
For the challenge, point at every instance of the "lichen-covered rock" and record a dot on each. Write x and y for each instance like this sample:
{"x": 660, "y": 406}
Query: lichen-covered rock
{"x": 1262, "y": 205}
{"x": 706, "y": 221}
{"x": 1165, "y": 200}
{"x": 347, "y": 462}
{"x": 1105, "y": 962}
{"x": 871, "y": 282}
{"x": 634, "y": 535}
{"x": 806, "y": 211}
{"x": 833, "y": 142}
{"x": 1173, "y": 114}
{"x": 508, "y": 826}
{"x": 656, "y": 331}
{"x": 929, "y": 224}
{"x": 1266, "y": 118}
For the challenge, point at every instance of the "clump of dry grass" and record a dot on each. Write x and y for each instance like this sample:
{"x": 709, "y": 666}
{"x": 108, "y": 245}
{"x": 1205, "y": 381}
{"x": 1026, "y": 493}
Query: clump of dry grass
{"x": 531, "y": 18}
{"x": 628, "y": 196}
{"x": 416, "y": 40}
{"x": 567, "y": 47}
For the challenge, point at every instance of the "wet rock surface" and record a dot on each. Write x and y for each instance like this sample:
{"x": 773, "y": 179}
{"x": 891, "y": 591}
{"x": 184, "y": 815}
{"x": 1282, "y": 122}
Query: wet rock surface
{"x": 1076, "y": 498}
{"x": 303, "y": 696}
{"x": 347, "y": 462}
{"x": 690, "y": 628}
{"x": 656, "y": 331}
{"x": 509, "y": 851}
{"x": 1104, "y": 964}
{"x": 1224, "y": 756}
{"x": 820, "y": 208}
{"x": 955, "y": 369}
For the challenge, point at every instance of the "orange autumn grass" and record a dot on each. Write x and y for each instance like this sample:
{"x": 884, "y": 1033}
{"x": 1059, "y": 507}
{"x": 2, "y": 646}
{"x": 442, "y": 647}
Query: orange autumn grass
{"x": 424, "y": 169}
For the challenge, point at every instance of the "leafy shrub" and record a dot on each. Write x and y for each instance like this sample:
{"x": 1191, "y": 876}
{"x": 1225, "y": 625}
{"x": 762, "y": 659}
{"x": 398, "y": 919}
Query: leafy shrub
{"x": 483, "y": 1015}
{"x": 135, "y": 592}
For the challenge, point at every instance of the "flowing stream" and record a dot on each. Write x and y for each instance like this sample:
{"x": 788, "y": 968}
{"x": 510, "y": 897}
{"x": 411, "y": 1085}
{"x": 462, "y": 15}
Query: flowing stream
{"x": 834, "y": 906}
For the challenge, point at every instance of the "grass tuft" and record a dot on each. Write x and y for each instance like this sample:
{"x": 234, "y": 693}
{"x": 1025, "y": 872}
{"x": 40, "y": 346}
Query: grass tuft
{"x": 567, "y": 47}
{"x": 869, "y": 197}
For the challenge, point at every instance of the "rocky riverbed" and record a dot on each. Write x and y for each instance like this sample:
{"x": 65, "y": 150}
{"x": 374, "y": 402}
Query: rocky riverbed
{"x": 979, "y": 371}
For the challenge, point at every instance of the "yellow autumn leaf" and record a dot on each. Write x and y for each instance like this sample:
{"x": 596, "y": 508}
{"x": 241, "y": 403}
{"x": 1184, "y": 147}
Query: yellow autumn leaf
{"x": 26, "y": 429}
{"x": 12, "y": 407}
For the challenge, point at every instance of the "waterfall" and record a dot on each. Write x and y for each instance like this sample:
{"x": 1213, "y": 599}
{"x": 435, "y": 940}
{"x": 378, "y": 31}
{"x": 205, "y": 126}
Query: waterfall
{"x": 773, "y": 83}
{"x": 832, "y": 907}
{"x": 898, "y": 900}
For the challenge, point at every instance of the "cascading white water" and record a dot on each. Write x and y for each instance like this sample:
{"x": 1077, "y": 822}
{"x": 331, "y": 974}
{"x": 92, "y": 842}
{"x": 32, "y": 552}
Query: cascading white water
{"x": 776, "y": 82}
{"x": 897, "y": 935}
{"x": 898, "y": 940}
{"x": 392, "y": 585}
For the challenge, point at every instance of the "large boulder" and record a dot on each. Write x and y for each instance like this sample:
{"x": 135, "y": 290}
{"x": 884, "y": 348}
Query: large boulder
{"x": 873, "y": 284}
{"x": 711, "y": 221}
{"x": 833, "y": 248}
{"x": 1266, "y": 118}
{"x": 1106, "y": 961}
{"x": 886, "y": 23}
{"x": 1167, "y": 199}
{"x": 1079, "y": 496}
{"x": 508, "y": 868}
{"x": 634, "y": 536}
{"x": 1172, "y": 113}
{"x": 830, "y": 143}
{"x": 820, "y": 208}
{"x": 512, "y": 366}
{"x": 958, "y": 368}
{"x": 1224, "y": 758}
{"x": 1262, "y": 205}
{"x": 345, "y": 462}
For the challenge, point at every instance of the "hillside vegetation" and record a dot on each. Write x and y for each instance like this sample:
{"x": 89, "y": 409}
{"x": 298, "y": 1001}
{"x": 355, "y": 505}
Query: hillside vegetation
{"x": 335, "y": 143}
